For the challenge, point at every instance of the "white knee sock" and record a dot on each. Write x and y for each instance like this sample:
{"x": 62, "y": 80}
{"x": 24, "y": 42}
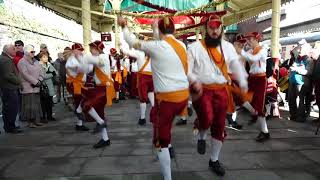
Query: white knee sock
{"x": 268, "y": 109}
{"x": 189, "y": 103}
{"x": 202, "y": 135}
{"x": 248, "y": 106}
{"x": 93, "y": 113}
{"x": 117, "y": 93}
{"x": 79, "y": 122}
{"x": 184, "y": 118}
{"x": 151, "y": 98}
{"x": 234, "y": 116}
{"x": 263, "y": 124}
{"x": 143, "y": 107}
{"x": 104, "y": 134}
{"x": 216, "y": 147}
{"x": 165, "y": 163}
{"x": 79, "y": 109}
{"x": 169, "y": 145}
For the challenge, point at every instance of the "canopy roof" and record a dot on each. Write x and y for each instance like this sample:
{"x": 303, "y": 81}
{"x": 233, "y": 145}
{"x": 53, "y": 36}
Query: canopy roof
{"x": 238, "y": 10}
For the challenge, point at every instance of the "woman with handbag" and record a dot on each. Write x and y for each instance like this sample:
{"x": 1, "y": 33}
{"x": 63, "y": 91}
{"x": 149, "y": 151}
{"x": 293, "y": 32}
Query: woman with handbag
{"x": 47, "y": 88}
{"x": 32, "y": 75}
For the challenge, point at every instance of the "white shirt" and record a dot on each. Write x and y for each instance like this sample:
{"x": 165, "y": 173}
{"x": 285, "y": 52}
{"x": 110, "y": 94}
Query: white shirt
{"x": 102, "y": 62}
{"x": 141, "y": 58}
{"x": 203, "y": 69}
{"x": 258, "y": 62}
{"x": 168, "y": 72}
{"x": 135, "y": 67}
{"x": 73, "y": 66}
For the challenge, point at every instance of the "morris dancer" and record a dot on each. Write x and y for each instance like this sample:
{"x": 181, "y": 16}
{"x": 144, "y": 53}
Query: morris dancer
{"x": 100, "y": 91}
{"x": 75, "y": 81}
{"x": 209, "y": 62}
{"x": 144, "y": 81}
{"x": 257, "y": 58}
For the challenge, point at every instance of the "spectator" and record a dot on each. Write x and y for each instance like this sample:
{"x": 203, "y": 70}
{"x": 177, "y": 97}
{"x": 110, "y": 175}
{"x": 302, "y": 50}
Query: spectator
{"x": 10, "y": 84}
{"x": 59, "y": 65}
{"x": 44, "y": 48}
{"x": 32, "y": 75}
{"x": 316, "y": 75}
{"x": 47, "y": 101}
{"x": 300, "y": 84}
{"x": 19, "y": 51}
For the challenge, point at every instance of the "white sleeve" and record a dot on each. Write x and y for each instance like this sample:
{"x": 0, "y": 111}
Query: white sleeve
{"x": 191, "y": 60}
{"x": 147, "y": 46}
{"x": 130, "y": 52}
{"x": 236, "y": 67}
{"x": 91, "y": 59}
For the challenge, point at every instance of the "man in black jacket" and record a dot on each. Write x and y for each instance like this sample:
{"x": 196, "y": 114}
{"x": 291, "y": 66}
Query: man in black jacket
{"x": 10, "y": 83}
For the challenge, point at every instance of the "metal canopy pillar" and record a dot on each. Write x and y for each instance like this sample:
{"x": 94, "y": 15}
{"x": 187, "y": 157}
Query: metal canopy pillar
{"x": 86, "y": 24}
{"x": 275, "y": 31}
{"x": 116, "y": 4}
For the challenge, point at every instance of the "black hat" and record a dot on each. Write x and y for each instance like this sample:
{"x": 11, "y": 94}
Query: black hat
{"x": 19, "y": 42}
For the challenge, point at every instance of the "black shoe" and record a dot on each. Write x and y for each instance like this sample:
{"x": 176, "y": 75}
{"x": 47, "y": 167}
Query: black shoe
{"x": 142, "y": 122}
{"x": 116, "y": 101}
{"x": 96, "y": 129}
{"x": 102, "y": 143}
{"x": 252, "y": 121}
{"x": 262, "y": 137}
{"x": 14, "y": 131}
{"x": 217, "y": 168}
{"x": 79, "y": 115}
{"x": 52, "y": 119}
{"x": 181, "y": 122}
{"x": 172, "y": 153}
{"x": 81, "y": 128}
{"x": 190, "y": 111}
{"x": 44, "y": 120}
{"x": 235, "y": 125}
{"x": 201, "y": 146}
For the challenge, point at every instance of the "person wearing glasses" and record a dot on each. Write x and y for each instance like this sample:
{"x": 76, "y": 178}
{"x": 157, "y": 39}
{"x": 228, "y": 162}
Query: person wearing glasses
{"x": 19, "y": 51}
{"x": 32, "y": 75}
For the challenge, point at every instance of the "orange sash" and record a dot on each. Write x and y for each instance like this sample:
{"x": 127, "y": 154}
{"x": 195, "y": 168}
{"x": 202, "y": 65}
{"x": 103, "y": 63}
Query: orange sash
{"x": 219, "y": 61}
{"x": 144, "y": 66}
{"x": 110, "y": 92}
{"x": 180, "y": 50}
{"x": 141, "y": 71}
{"x": 175, "y": 97}
{"x": 76, "y": 82}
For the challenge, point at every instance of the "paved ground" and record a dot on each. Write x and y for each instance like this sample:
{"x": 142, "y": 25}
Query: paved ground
{"x": 57, "y": 152}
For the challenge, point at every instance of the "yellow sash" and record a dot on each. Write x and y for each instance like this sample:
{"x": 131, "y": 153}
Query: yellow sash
{"x": 180, "y": 50}
{"x": 76, "y": 82}
{"x": 110, "y": 92}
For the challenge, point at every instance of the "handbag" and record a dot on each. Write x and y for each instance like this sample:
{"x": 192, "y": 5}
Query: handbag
{"x": 44, "y": 90}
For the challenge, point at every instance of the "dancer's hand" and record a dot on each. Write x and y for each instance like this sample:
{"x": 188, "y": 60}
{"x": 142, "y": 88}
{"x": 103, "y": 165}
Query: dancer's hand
{"x": 122, "y": 21}
{"x": 244, "y": 87}
{"x": 196, "y": 90}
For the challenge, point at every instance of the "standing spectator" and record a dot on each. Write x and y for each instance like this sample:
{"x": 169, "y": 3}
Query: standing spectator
{"x": 300, "y": 84}
{"x": 32, "y": 75}
{"x": 19, "y": 51}
{"x": 47, "y": 101}
{"x": 10, "y": 84}
{"x": 316, "y": 75}
{"x": 59, "y": 65}
{"x": 44, "y": 48}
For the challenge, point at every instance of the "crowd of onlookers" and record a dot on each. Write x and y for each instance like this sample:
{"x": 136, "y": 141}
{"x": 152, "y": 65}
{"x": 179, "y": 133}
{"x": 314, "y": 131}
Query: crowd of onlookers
{"x": 27, "y": 83}
{"x": 302, "y": 73}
